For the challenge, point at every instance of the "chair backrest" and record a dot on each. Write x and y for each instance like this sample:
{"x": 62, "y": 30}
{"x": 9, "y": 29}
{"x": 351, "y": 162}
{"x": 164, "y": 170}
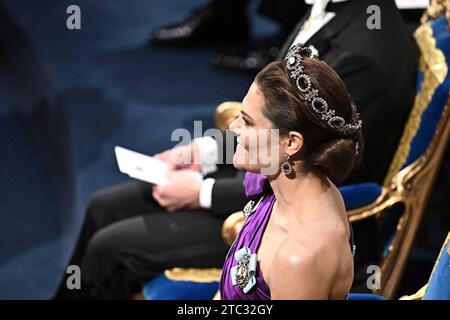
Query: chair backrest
{"x": 433, "y": 88}
{"x": 416, "y": 162}
{"x": 438, "y": 287}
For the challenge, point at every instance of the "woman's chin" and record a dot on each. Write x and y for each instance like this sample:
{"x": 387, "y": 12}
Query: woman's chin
{"x": 238, "y": 164}
{"x": 245, "y": 166}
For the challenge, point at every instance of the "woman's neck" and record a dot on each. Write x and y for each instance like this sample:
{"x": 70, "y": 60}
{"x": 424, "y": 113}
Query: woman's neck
{"x": 294, "y": 193}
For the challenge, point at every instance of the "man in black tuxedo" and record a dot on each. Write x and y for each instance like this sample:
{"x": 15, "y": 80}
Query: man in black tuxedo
{"x": 127, "y": 230}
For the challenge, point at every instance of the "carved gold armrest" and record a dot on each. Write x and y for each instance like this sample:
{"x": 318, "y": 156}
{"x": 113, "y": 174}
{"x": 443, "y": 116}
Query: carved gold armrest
{"x": 231, "y": 226}
{"x": 203, "y": 275}
{"x": 217, "y": 296}
{"x": 384, "y": 201}
{"x": 395, "y": 190}
{"x": 416, "y": 296}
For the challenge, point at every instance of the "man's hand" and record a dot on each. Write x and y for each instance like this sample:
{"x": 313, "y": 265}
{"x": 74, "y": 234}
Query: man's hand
{"x": 182, "y": 191}
{"x": 182, "y": 157}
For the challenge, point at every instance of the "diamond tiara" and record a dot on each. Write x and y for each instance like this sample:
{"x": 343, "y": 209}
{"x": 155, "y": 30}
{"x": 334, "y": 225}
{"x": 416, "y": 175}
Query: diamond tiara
{"x": 293, "y": 63}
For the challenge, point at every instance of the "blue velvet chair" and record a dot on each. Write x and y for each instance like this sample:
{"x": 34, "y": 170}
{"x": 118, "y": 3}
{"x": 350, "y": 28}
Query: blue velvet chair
{"x": 365, "y": 296}
{"x": 398, "y": 205}
{"x": 183, "y": 284}
{"x": 438, "y": 286}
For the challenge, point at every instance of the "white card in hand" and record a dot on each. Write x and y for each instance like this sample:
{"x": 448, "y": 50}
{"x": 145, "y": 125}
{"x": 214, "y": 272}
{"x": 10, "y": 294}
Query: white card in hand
{"x": 146, "y": 168}
{"x": 141, "y": 166}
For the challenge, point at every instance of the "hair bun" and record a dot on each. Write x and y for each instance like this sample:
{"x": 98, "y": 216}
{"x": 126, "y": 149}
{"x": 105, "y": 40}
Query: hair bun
{"x": 336, "y": 158}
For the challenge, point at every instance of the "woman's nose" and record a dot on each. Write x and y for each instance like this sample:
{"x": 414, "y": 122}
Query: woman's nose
{"x": 234, "y": 126}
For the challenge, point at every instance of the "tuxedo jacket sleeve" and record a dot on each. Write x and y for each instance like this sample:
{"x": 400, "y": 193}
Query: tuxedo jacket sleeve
{"x": 228, "y": 195}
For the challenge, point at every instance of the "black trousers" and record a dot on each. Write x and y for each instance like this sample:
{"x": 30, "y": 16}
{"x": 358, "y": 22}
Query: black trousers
{"x": 127, "y": 239}
{"x": 286, "y": 13}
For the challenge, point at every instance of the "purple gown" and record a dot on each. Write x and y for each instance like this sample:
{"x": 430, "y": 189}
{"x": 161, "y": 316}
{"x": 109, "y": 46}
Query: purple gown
{"x": 241, "y": 277}
{"x": 256, "y": 188}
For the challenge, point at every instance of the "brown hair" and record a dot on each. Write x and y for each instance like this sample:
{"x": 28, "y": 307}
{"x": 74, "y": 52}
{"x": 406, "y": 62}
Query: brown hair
{"x": 325, "y": 151}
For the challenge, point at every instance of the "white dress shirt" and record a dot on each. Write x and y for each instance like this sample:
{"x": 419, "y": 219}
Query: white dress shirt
{"x": 208, "y": 157}
{"x": 317, "y": 19}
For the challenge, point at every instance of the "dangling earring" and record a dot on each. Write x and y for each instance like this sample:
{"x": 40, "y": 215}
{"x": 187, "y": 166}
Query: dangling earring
{"x": 286, "y": 166}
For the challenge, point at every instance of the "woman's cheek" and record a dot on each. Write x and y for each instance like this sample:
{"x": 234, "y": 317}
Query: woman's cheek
{"x": 240, "y": 159}
{"x": 246, "y": 141}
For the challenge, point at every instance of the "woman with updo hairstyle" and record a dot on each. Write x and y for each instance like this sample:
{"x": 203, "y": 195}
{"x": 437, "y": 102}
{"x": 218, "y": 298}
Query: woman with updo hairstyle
{"x": 298, "y": 135}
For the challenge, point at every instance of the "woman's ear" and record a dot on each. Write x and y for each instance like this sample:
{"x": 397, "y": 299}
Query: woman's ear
{"x": 294, "y": 142}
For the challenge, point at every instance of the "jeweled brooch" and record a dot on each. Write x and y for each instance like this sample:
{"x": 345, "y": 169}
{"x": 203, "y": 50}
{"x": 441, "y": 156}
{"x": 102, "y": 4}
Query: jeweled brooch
{"x": 248, "y": 208}
{"x": 243, "y": 274}
{"x": 251, "y": 207}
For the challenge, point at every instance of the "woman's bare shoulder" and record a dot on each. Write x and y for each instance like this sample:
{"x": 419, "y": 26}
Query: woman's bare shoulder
{"x": 305, "y": 265}
{"x": 297, "y": 251}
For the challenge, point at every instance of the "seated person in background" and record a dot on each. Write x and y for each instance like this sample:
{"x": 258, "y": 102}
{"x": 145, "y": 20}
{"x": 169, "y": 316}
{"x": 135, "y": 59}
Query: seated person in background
{"x": 296, "y": 242}
{"x": 128, "y": 235}
{"x": 132, "y": 232}
{"x": 212, "y": 24}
